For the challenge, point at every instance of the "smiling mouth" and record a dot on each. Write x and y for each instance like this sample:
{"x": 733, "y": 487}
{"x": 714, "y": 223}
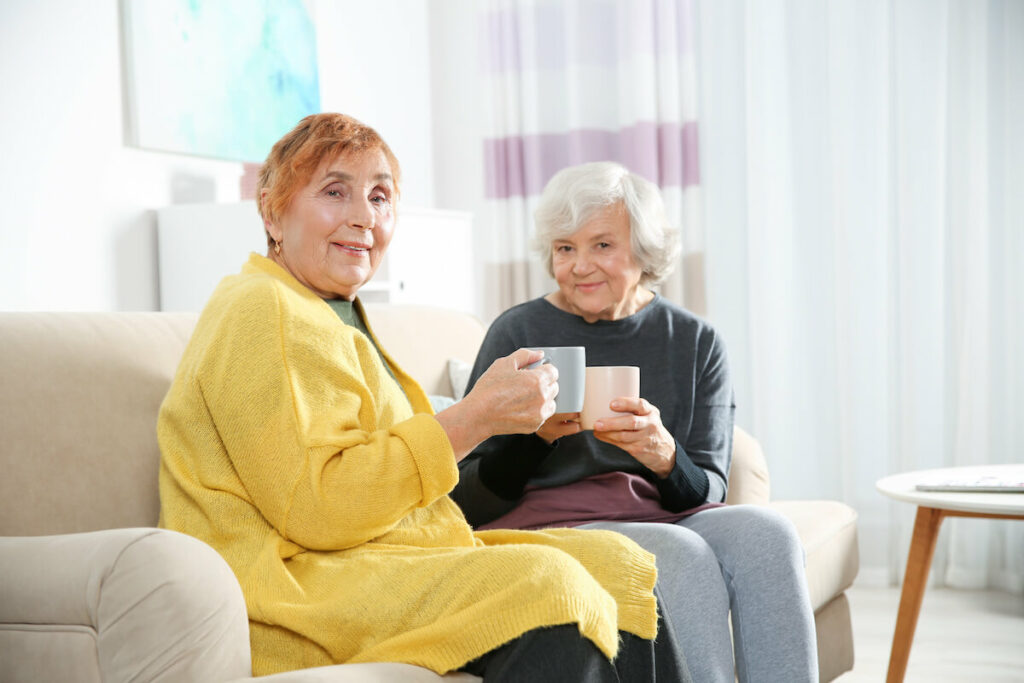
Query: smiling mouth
{"x": 352, "y": 248}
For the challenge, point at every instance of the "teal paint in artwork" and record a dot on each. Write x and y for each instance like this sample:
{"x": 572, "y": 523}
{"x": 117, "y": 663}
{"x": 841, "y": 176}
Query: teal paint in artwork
{"x": 219, "y": 78}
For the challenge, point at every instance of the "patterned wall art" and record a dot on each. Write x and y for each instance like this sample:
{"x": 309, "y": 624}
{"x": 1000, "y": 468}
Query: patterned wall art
{"x": 218, "y": 78}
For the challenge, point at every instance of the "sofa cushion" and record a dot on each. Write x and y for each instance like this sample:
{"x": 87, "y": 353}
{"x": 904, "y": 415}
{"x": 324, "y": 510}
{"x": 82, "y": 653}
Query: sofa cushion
{"x": 748, "y": 472}
{"x": 828, "y": 531}
{"x": 458, "y": 376}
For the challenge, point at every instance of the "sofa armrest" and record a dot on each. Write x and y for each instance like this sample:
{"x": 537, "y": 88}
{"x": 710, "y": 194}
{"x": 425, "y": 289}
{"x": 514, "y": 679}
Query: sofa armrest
{"x": 119, "y": 605}
{"x": 748, "y": 474}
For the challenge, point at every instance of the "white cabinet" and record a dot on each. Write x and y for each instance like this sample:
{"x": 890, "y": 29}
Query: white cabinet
{"x": 429, "y": 260}
{"x": 198, "y": 244}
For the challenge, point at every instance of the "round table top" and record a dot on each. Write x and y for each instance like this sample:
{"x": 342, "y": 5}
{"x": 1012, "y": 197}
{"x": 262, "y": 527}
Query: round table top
{"x": 903, "y": 487}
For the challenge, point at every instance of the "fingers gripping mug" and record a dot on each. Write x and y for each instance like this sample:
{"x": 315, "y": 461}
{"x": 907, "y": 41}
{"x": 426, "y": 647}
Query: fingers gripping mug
{"x": 571, "y": 362}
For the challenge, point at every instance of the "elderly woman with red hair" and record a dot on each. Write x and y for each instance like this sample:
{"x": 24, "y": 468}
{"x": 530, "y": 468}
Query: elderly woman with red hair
{"x": 295, "y": 446}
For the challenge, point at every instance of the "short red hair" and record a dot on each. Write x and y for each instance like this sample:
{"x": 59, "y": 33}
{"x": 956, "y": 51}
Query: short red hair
{"x": 295, "y": 157}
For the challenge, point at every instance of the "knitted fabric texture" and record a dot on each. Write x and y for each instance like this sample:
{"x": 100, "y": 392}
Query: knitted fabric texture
{"x": 288, "y": 447}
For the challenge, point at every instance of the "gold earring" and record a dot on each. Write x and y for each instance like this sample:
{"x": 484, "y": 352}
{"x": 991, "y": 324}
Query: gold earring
{"x": 277, "y": 248}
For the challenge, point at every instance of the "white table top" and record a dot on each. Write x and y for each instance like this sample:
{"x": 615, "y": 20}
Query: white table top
{"x": 902, "y": 487}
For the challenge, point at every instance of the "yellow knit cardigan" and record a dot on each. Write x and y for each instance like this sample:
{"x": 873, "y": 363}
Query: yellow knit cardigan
{"x": 288, "y": 447}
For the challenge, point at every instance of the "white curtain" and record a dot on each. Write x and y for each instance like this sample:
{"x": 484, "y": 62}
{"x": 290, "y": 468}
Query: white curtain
{"x": 863, "y": 198}
{"x": 570, "y": 81}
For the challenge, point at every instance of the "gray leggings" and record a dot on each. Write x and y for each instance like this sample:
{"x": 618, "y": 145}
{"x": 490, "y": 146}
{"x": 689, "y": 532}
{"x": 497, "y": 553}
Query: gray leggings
{"x": 744, "y": 557}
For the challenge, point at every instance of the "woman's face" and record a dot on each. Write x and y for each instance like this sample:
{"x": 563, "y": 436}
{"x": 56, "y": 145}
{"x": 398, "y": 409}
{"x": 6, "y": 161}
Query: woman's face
{"x": 594, "y": 267}
{"x": 335, "y": 230}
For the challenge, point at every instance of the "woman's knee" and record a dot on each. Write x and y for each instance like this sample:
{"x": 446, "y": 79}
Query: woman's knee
{"x": 749, "y": 535}
{"x": 675, "y": 548}
{"x": 776, "y": 532}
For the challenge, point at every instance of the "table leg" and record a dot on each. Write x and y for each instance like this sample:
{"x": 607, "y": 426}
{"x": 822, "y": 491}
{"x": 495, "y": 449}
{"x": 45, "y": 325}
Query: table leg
{"x": 919, "y": 560}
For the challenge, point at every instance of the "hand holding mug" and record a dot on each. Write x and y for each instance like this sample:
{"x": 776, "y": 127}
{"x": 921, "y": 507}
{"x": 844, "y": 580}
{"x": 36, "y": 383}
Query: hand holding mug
{"x": 515, "y": 397}
{"x": 640, "y": 433}
{"x": 559, "y": 425}
{"x": 571, "y": 362}
{"x": 507, "y": 399}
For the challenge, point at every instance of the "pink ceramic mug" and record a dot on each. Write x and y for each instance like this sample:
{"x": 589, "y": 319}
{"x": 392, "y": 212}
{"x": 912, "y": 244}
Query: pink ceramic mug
{"x": 604, "y": 384}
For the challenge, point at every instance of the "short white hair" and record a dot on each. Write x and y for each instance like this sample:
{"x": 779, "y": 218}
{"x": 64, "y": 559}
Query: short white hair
{"x": 576, "y": 193}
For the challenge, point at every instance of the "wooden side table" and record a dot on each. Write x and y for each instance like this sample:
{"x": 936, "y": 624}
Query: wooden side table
{"x": 932, "y": 508}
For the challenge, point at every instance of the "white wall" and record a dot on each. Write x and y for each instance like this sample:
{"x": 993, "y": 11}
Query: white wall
{"x": 459, "y": 125}
{"x": 75, "y": 230}
{"x": 375, "y": 65}
{"x": 77, "y": 227}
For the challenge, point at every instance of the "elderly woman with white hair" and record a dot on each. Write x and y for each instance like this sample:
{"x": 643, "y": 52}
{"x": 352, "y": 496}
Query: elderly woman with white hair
{"x": 659, "y": 473}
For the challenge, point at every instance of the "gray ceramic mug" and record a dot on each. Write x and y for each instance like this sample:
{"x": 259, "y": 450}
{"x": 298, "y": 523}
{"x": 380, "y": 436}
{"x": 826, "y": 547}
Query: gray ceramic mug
{"x": 571, "y": 362}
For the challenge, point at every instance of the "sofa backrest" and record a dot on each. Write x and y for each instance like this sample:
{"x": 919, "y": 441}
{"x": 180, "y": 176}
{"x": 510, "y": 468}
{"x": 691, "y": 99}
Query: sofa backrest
{"x": 422, "y": 339}
{"x": 79, "y": 395}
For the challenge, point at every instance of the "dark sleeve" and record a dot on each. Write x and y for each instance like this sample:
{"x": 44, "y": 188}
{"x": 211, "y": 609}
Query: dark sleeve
{"x": 701, "y": 470}
{"x": 686, "y": 485}
{"x": 492, "y": 477}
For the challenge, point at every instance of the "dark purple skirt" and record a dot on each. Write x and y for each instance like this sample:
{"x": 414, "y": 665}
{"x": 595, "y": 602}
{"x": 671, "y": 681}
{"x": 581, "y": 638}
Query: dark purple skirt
{"x": 609, "y": 497}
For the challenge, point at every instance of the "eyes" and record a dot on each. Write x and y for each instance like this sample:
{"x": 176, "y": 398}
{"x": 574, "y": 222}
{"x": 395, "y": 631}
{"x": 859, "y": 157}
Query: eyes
{"x": 568, "y": 248}
{"x": 379, "y": 195}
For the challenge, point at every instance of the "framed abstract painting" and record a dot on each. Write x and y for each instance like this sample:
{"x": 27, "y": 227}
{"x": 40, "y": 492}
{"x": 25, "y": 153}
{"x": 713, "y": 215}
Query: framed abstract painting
{"x": 217, "y": 78}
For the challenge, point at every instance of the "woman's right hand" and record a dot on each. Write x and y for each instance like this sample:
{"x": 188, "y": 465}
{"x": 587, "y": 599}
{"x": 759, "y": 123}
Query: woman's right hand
{"x": 559, "y": 425}
{"x": 509, "y": 398}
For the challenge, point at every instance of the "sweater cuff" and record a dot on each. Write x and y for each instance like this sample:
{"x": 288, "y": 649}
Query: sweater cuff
{"x": 432, "y": 452}
{"x": 506, "y": 469}
{"x": 686, "y": 485}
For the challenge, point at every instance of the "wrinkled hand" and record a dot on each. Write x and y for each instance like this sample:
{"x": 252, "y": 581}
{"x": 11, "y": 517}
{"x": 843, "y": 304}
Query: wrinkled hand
{"x": 641, "y": 434}
{"x": 513, "y": 399}
{"x": 559, "y": 425}
{"x": 507, "y": 399}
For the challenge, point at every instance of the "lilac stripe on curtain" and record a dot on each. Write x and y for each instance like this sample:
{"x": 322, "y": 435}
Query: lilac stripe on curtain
{"x": 521, "y": 165}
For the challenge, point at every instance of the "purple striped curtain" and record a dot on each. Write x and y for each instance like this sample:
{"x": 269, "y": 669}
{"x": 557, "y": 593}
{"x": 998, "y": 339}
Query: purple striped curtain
{"x": 572, "y": 81}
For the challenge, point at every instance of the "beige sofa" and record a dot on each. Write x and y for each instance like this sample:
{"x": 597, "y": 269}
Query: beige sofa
{"x": 90, "y": 591}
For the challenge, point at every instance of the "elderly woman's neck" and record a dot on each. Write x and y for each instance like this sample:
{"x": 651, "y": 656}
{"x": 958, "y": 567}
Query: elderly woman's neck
{"x": 627, "y": 306}
{"x": 280, "y": 260}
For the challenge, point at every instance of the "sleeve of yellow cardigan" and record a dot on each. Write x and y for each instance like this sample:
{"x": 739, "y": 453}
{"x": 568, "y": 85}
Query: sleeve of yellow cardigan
{"x": 302, "y": 422}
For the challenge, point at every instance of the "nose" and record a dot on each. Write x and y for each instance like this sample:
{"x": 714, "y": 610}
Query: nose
{"x": 362, "y": 216}
{"x": 581, "y": 263}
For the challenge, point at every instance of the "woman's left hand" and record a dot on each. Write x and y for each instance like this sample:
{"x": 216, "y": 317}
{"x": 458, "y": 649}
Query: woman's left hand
{"x": 641, "y": 434}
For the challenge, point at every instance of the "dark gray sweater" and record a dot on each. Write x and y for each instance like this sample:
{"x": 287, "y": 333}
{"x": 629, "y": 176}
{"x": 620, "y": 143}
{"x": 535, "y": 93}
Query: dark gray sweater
{"x": 683, "y": 371}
